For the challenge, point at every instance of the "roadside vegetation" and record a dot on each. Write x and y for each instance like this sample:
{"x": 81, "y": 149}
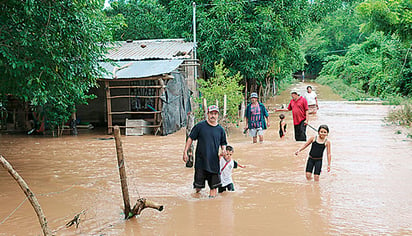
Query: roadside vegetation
{"x": 370, "y": 58}
{"x": 362, "y": 49}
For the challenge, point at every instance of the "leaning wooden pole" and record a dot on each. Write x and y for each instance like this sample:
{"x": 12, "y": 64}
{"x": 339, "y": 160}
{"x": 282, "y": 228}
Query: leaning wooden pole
{"x": 30, "y": 195}
{"x": 122, "y": 171}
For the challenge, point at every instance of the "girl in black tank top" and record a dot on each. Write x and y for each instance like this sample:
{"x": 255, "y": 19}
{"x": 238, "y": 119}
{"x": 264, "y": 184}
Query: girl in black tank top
{"x": 319, "y": 143}
{"x": 316, "y": 151}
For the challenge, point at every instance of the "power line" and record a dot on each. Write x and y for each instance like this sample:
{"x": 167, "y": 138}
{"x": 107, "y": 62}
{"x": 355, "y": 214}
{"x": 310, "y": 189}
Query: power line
{"x": 228, "y": 3}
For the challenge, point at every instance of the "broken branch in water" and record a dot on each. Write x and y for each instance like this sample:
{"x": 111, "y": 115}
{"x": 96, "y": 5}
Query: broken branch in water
{"x": 76, "y": 220}
{"x": 143, "y": 203}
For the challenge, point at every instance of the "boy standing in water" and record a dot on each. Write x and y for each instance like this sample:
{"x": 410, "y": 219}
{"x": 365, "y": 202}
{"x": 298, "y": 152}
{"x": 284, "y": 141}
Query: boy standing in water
{"x": 226, "y": 167}
{"x": 319, "y": 143}
{"x": 282, "y": 126}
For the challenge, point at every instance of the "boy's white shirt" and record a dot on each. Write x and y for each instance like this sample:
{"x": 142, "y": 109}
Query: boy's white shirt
{"x": 226, "y": 174}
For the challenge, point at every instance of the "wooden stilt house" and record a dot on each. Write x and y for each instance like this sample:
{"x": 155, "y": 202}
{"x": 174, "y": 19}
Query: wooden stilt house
{"x": 147, "y": 87}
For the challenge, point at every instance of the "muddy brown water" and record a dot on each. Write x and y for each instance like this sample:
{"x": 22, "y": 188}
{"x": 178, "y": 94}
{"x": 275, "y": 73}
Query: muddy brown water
{"x": 367, "y": 192}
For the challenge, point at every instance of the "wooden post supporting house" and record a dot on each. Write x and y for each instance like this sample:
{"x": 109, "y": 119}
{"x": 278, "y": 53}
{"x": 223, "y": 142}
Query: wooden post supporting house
{"x": 161, "y": 91}
{"x": 108, "y": 108}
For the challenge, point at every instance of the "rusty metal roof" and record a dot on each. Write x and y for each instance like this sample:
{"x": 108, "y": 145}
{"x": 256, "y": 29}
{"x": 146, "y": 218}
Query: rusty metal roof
{"x": 138, "y": 69}
{"x": 150, "y": 50}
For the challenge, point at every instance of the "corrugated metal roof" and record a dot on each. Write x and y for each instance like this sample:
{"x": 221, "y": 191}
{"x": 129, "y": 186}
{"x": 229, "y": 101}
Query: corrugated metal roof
{"x": 150, "y": 49}
{"x": 139, "y": 69}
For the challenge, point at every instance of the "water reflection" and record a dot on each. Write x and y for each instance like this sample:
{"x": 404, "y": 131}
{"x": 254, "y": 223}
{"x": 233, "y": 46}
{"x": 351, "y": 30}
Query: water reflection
{"x": 366, "y": 192}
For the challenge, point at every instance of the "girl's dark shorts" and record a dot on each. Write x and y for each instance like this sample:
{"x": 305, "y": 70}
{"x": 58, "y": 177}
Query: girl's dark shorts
{"x": 213, "y": 179}
{"x": 314, "y": 163}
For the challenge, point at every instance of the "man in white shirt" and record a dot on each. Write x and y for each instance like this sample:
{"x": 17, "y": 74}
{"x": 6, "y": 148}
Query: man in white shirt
{"x": 312, "y": 99}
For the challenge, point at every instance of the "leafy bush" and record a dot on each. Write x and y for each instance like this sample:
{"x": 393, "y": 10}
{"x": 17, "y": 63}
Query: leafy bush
{"x": 216, "y": 87}
{"x": 373, "y": 67}
{"x": 402, "y": 115}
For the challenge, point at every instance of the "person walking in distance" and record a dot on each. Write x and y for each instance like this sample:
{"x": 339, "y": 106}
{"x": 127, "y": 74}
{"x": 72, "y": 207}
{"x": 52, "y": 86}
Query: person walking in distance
{"x": 210, "y": 136}
{"x": 257, "y": 118}
{"x": 319, "y": 143}
{"x": 312, "y": 99}
{"x": 299, "y": 107}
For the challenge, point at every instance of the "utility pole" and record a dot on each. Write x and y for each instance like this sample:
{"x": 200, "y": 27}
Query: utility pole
{"x": 194, "y": 40}
{"x": 191, "y": 116}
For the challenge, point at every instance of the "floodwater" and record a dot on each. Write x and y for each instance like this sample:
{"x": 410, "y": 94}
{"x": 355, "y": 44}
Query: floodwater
{"x": 367, "y": 192}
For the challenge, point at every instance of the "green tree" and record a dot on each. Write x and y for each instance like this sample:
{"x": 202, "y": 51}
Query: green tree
{"x": 381, "y": 65}
{"x": 180, "y": 18}
{"x": 144, "y": 19}
{"x": 391, "y": 17}
{"x": 49, "y": 52}
{"x": 394, "y": 18}
{"x": 372, "y": 66}
{"x": 257, "y": 39}
{"x": 214, "y": 89}
{"x": 330, "y": 36}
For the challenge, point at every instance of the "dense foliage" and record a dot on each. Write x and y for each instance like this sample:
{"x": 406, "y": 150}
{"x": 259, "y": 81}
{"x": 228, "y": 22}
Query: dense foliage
{"x": 376, "y": 60}
{"x": 49, "y": 52}
{"x": 256, "y": 39}
{"x": 143, "y": 19}
{"x": 331, "y": 36}
{"x": 372, "y": 66}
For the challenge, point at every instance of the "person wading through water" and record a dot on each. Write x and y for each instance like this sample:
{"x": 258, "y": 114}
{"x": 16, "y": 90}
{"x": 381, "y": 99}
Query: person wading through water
{"x": 257, "y": 118}
{"x": 299, "y": 107}
{"x": 210, "y": 136}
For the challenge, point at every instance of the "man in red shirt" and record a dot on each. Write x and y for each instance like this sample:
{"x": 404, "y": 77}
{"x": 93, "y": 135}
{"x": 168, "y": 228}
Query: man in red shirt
{"x": 299, "y": 107}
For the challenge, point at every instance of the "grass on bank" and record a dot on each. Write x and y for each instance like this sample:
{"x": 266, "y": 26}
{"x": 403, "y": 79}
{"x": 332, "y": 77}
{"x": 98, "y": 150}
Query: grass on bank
{"x": 400, "y": 115}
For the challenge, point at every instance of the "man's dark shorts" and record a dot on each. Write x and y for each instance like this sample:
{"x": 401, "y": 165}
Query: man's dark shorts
{"x": 213, "y": 179}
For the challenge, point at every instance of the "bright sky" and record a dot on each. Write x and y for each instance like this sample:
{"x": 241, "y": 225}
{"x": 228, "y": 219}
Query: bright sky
{"x": 106, "y": 3}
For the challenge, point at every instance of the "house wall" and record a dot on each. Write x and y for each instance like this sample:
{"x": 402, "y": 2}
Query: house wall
{"x": 94, "y": 112}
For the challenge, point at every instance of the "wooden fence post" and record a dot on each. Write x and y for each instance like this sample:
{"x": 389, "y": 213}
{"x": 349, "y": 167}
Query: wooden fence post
{"x": 30, "y": 195}
{"x": 224, "y": 106}
{"x": 122, "y": 171}
{"x": 205, "y": 108}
